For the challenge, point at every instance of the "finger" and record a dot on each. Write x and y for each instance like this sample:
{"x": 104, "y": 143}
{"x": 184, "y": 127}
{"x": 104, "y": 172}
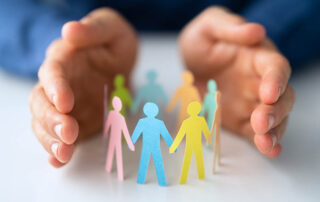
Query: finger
{"x": 275, "y": 71}
{"x": 56, "y": 86}
{"x": 100, "y": 27}
{"x": 60, "y": 126}
{"x": 229, "y": 27}
{"x": 54, "y": 147}
{"x": 268, "y": 142}
{"x": 54, "y": 162}
{"x": 267, "y": 117}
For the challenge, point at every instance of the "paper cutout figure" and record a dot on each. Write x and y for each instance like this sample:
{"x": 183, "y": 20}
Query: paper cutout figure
{"x": 151, "y": 130}
{"x": 150, "y": 92}
{"x": 192, "y": 128}
{"x": 215, "y": 129}
{"x": 209, "y": 104}
{"x": 186, "y": 94}
{"x": 122, "y": 92}
{"x": 117, "y": 124}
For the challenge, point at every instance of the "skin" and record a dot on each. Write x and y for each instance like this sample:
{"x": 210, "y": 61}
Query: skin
{"x": 250, "y": 72}
{"x": 98, "y": 46}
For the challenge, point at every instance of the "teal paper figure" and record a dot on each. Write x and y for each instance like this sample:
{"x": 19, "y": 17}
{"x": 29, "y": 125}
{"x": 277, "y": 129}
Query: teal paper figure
{"x": 122, "y": 92}
{"x": 150, "y": 92}
{"x": 151, "y": 130}
{"x": 210, "y": 103}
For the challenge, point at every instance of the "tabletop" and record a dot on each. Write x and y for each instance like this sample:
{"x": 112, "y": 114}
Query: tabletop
{"x": 244, "y": 174}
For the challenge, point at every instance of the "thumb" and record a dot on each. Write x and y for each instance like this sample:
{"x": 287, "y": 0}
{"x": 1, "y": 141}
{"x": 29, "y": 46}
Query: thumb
{"x": 223, "y": 25}
{"x": 101, "y": 26}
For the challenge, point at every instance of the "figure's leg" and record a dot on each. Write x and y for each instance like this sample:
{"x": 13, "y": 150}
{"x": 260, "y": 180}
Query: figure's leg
{"x": 158, "y": 164}
{"x": 119, "y": 161}
{"x": 199, "y": 161}
{"x": 143, "y": 167}
{"x": 186, "y": 165}
{"x": 110, "y": 156}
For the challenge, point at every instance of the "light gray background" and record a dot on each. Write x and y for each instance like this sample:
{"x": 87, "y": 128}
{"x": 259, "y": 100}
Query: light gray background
{"x": 245, "y": 175}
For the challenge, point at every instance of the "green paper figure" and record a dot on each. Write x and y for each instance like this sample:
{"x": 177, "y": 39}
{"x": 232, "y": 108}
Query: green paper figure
{"x": 210, "y": 103}
{"x": 122, "y": 92}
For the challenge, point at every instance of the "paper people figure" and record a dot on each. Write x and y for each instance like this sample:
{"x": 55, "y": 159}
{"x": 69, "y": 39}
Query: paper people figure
{"x": 151, "y": 130}
{"x": 192, "y": 128}
{"x": 215, "y": 129}
{"x": 150, "y": 92}
{"x": 186, "y": 94}
{"x": 122, "y": 92}
{"x": 117, "y": 124}
{"x": 210, "y": 104}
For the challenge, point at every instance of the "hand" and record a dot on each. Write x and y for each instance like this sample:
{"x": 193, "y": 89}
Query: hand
{"x": 171, "y": 150}
{"x": 251, "y": 74}
{"x": 68, "y": 100}
{"x": 131, "y": 147}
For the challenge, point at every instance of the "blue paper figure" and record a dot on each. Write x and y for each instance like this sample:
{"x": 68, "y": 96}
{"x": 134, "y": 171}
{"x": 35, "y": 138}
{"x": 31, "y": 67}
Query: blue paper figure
{"x": 150, "y": 92}
{"x": 151, "y": 129}
{"x": 210, "y": 103}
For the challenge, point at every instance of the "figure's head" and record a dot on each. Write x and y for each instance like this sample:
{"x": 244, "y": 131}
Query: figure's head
{"x": 150, "y": 109}
{"x": 118, "y": 80}
{"x": 187, "y": 77}
{"x": 116, "y": 103}
{"x": 151, "y": 75}
{"x": 212, "y": 86}
{"x": 194, "y": 108}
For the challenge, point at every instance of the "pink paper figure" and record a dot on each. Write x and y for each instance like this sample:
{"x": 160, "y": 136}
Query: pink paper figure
{"x": 117, "y": 123}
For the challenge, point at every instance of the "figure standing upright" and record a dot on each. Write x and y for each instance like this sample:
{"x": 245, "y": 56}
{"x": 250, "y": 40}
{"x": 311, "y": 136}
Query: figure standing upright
{"x": 117, "y": 125}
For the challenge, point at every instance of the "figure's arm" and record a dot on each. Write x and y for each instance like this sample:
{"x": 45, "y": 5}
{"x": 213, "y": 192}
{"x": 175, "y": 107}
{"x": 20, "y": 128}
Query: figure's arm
{"x": 28, "y": 27}
{"x": 166, "y": 135}
{"x": 107, "y": 127}
{"x": 174, "y": 100}
{"x": 178, "y": 138}
{"x": 127, "y": 135}
{"x": 137, "y": 132}
{"x": 205, "y": 128}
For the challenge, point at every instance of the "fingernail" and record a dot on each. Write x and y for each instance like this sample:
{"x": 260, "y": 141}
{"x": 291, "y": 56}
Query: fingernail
{"x": 271, "y": 121}
{"x": 274, "y": 140}
{"x": 54, "y": 99}
{"x": 54, "y": 148}
{"x": 57, "y": 129}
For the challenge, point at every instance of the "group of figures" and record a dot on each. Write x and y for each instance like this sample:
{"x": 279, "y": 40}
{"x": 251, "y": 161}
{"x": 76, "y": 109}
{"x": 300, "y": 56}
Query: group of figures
{"x": 191, "y": 121}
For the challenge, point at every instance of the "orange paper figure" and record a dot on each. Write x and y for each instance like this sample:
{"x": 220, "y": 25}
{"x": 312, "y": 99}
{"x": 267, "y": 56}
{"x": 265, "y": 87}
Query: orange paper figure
{"x": 192, "y": 128}
{"x": 215, "y": 129}
{"x": 186, "y": 94}
{"x": 118, "y": 125}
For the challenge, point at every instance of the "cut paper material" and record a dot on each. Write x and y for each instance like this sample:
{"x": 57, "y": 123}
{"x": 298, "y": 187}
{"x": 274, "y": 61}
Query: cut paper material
{"x": 122, "y": 92}
{"x": 150, "y": 92}
{"x": 185, "y": 94}
{"x": 209, "y": 104}
{"x": 192, "y": 128}
{"x": 151, "y": 130}
{"x": 215, "y": 129}
{"x": 117, "y": 125}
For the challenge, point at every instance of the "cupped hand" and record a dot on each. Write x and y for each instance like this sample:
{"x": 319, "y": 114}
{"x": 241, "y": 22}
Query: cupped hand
{"x": 251, "y": 74}
{"x": 67, "y": 102}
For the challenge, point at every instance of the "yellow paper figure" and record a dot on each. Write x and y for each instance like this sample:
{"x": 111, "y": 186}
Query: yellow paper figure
{"x": 186, "y": 94}
{"x": 215, "y": 129}
{"x": 192, "y": 128}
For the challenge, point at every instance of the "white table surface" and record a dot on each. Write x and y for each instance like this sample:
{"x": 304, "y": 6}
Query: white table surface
{"x": 245, "y": 175}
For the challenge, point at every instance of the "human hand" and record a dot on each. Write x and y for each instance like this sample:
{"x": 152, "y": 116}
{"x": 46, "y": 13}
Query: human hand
{"x": 251, "y": 74}
{"x": 67, "y": 102}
